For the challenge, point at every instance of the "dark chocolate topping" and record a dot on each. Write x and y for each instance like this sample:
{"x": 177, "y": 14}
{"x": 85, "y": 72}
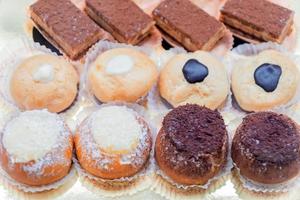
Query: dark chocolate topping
{"x": 123, "y": 15}
{"x": 269, "y": 138}
{"x": 66, "y": 21}
{"x": 262, "y": 14}
{"x": 192, "y": 134}
{"x": 189, "y": 19}
{"x": 194, "y": 71}
{"x": 267, "y": 76}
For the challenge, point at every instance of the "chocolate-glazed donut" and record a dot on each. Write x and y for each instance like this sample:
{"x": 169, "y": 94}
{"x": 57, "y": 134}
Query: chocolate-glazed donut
{"x": 266, "y": 148}
{"x": 191, "y": 147}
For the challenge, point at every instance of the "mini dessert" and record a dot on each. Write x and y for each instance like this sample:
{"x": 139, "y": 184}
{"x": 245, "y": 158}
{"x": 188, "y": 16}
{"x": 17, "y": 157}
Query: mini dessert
{"x": 36, "y": 148}
{"x": 192, "y": 145}
{"x": 113, "y": 142}
{"x": 44, "y": 81}
{"x": 266, "y": 148}
{"x": 258, "y": 18}
{"x": 65, "y": 26}
{"x": 192, "y": 27}
{"x": 196, "y": 78}
{"x": 265, "y": 81}
{"x": 122, "y": 18}
{"x": 122, "y": 74}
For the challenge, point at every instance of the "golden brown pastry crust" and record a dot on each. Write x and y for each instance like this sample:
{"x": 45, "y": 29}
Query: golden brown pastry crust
{"x": 129, "y": 86}
{"x": 252, "y": 97}
{"x": 110, "y": 166}
{"x": 212, "y": 92}
{"x": 55, "y": 95}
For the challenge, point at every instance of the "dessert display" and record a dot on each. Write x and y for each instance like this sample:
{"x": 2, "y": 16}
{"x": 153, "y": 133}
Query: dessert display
{"x": 196, "y": 78}
{"x": 122, "y": 74}
{"x": 122, "y": 18}
{"x": 192, "y": 145}
{"x": 36, "y": 148}
{"x": 188, "y": 24}
{"x": 259, "y": 19}
{"x": 68, "y": 28}
{"x": 266, "y": 149}
{"x": 44, "y": 81}
{"x": 103, "y": 75}
{"x": 265, "y": 81}
{"x": 113, "y": 142}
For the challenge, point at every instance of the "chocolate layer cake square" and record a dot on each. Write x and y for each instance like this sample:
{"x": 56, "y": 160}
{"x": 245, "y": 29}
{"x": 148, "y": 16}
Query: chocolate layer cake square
{"x": 188, "y": 24}
{"x": 122, "y": 18}
{"x": 66, "y": 26}
{"x": 259, "y": 18}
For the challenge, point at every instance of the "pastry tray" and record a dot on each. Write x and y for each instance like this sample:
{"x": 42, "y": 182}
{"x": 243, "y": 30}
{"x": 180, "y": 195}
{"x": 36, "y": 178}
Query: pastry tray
{"x": 12, "y": 21}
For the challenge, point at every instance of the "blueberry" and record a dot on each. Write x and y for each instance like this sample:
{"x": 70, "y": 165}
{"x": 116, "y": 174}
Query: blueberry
{"x": 194, "y": 71}
{"x": 267, "y": 76}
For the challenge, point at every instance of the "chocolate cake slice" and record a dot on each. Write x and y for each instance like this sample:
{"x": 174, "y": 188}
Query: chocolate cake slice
{"x": 64, "y": 25}
{"x": 261, "y": 19}
{"x": 122, "y": 18}
{"x": 192, "y": 27}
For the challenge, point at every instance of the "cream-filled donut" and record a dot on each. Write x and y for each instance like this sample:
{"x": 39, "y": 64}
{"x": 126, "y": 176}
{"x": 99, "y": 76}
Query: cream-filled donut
{"x": 36, "y": 148}
{"x": 113, "y": 142}
{"x": 122, "y": 74}
{"x": 44, "y": 81}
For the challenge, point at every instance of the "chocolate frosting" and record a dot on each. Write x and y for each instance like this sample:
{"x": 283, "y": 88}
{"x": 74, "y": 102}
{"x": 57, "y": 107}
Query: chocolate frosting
{"x": 269, "y": 139}
{"x": 189, "y": 19}
{"x": 123, "y": 15}
{"x": 261, "y": 14}
{"x": 192, "y": 135}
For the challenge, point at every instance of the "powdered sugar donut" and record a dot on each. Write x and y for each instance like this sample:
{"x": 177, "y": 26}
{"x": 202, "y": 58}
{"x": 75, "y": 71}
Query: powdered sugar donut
{"x": 36, "y": 148}
{"x": 113, "y": 142}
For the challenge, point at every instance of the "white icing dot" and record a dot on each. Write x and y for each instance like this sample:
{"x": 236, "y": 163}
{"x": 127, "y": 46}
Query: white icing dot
{"x": 31, "y": 135}
{"x": 116, "y": 128}
{"x": 44, "y": 73}
{"x": 119, "y": 65}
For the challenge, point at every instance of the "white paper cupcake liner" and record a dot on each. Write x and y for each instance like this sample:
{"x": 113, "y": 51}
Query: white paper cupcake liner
{"x": 125, "y": 185}
{"x": 266, "y": 188}
{"x": 244, "y": 51}
{"x": 11, "y": 56}
{"x": 163, "y": 188}
{"x": 35, "y": 189}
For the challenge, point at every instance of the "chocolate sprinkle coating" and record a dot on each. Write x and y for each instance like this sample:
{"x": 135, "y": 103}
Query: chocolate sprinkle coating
{"x": 191, "y": 135}
{"x": 268, "y": 138}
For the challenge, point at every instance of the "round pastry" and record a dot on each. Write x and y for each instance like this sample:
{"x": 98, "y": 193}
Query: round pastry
{"x": 122, "y": 74}
{"x": 44, "y": 81}
{"x": 113, "y": 142}
{"x": 36, "y": 148}
{"x": 196, "y": 78}
{"x": 192, "y": 145}
{"x": 265, "y": 81}
{"x": 266, "y": 148}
